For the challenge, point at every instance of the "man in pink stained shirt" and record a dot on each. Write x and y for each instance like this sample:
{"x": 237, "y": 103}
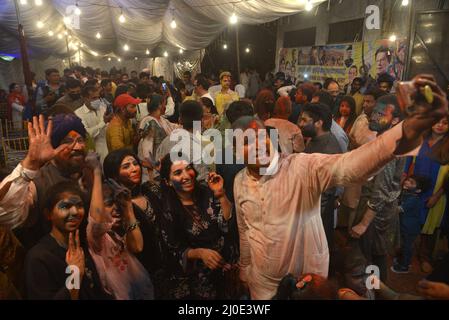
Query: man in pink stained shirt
{"x": 278, "y": 201}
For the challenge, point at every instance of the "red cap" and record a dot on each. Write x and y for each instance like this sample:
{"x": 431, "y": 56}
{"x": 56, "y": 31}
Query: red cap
{"x": 124, "y": 99}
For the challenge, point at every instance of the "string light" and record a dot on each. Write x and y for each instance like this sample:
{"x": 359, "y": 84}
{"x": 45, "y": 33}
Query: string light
{"x": 98, "y": 35}
{"x": 309, "y": 5}
{"x": 23, "y": 2}
{"x": 181, "y": 51}
{"x": 165, "y": 54}
{"x": 40, "y": 24}
{"x": 225, "y": 46}
{"x": 173, "y": 24}
{"x": 135, "y": 58}
{"x": 118, "y": 59}
{"x": 147, "y": 52}
{"x": 233, "y": 19}
{"x": 392, "y": 38}
{"x": 59, "y": 36}
{"x": 51, "y": 33}
{"x": 77, "y": 9}
{"x": 38, "y": 2}
{"x": 109, "y": 59}
{"x": 404, "y": 3}
{"x": 247, "y": 50}
{"x": 66, "y": 33}
{"x": 126, "y": 47}
{"x": 70, "y": 36}
{"x": 121, "y": 18}
{"x": 66, "y": 20}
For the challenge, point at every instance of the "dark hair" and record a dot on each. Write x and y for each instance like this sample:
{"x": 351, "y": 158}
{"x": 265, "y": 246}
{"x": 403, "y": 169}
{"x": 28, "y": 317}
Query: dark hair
{"x": 124, "y": 74}
{"x": 385, "y": 77}
{"x": 68, "y": 70}
{"x": 72, "y": 83}
{"x": 384, "y": 50}
{"x": 187, "y": 73}
{"x": 80, "y": 69}
{"x": 50, "y": 71}
{"x": 423, "y": 183}
{"x": 105, "y": 82}
{"x": 91, "y": 83}
{"x": 324, "y": 97}
{"x": 53, "y": 194}
{"x": 319, "y": 84}
{"x": 376, "y": 93}
{"x": 208, "y": 103}
{"x": 351, "y": 102}
{"x": 11, "y": 86}
{"x": 358, "y": 79}
{"x": 318, "y": 288}
{"x": 307, "y": 90}
{"x": 264, "y": 104}
{"x": 112, "y": 162}
{"x": 134, "y": 71}
{"x": 328, "y": 81}
{"x": 104, "y": 74}
{"x": 190, "y": 111}
{"x": 202, "y": 81}
{"x": 319, "y": 111}
{"x": 87, "y": 90}
{"x": 239, "y": 109}
{"x": 121, "y": 89}
{"x": 144, "y": 75}
{"x": 154, "y": 103}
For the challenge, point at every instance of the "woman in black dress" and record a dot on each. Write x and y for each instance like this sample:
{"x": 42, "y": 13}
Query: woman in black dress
{"x": 195, "y": 230}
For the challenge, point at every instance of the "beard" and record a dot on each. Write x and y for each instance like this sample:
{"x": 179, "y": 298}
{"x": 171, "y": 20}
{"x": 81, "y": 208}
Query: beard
{"x": 308, "y": 131}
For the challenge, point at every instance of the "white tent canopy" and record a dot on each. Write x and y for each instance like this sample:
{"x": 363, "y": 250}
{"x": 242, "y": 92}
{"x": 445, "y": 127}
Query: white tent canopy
{"x": 147, "y": 24}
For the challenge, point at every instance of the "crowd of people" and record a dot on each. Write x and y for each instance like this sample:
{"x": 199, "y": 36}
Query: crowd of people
{"x": 100, "y": 194}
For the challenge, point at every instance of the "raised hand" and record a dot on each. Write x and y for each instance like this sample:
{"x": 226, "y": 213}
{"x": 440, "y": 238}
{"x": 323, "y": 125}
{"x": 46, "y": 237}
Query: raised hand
{"x": 40, "y": 150}
{"x": 75, "y": 254}
{"x": 92, "y": 160}
{"x": 122, "y": 195}
{"x": 425, "y": 114}
{"x": 216, "y": 183}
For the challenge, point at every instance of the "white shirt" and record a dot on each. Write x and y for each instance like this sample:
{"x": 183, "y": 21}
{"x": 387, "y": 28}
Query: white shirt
{"x": 95, "y": 126}
{"x": 279, "y": 215}
{"x": 214, "y": 90}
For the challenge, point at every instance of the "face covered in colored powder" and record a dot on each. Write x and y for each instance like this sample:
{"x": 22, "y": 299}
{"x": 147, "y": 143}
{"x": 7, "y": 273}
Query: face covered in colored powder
{"x": 130, "y": 172}
{"x": 382, "y": 117}
{"x": 68, "y": 213}
{"x": 72, "y": 159}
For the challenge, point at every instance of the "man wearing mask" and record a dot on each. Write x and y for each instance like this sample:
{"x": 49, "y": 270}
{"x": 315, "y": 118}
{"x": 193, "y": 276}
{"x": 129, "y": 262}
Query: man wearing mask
{"x": 56, "y": 154}
{"x": 72, "y": 97}
{"x": 120, "y": 132}
{"x": 94, "y": 118}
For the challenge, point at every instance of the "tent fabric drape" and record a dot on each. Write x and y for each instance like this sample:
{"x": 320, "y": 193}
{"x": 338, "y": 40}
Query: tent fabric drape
{"x": 147, "y": 24}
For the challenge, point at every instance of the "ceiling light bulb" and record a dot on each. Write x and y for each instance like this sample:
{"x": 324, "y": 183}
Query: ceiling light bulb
{"x": 181, "y": 51}
{"x": 40, "y": 24}
{"x": 59, "y": 36}
{"x": 98, "y": 35}
{"x": 67, "y": 20}
{"x": 122, "y": 18}
{"x": 392, "y": 38}
{"x": 147, "y": 52}
{"x": 109, "y": 59}
{"x": 126, "y": 47}
{"x": 51, "y": 33}
{"x": 309, "y": 6}
{"x": 119, "y": 59}
{"x": 23, "y": 2}
{"x": 404, "y": 3}
{"x": 225, "y": 46}
{"x": 233, "y": 18}
{"x": 38, "y": 2}
{"x": 173, "y": 24}
{"x": 165, "y": 54}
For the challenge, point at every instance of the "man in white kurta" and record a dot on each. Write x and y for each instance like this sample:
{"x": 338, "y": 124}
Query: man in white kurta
{"x": 92, "y": 115}
{"x": 278, "y": 214}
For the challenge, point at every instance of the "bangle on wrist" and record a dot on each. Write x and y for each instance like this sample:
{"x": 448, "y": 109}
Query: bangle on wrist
{"x": 132, "y": 226}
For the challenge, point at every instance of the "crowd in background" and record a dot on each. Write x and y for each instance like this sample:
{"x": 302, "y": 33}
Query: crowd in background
{"x": 99, "y": 191}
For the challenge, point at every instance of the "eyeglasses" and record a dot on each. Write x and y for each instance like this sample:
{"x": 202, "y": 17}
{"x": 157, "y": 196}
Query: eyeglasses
{"x": 79, "y": 140}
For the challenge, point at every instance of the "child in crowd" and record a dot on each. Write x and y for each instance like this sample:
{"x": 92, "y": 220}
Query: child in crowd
{"x": 410, "y": 223}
